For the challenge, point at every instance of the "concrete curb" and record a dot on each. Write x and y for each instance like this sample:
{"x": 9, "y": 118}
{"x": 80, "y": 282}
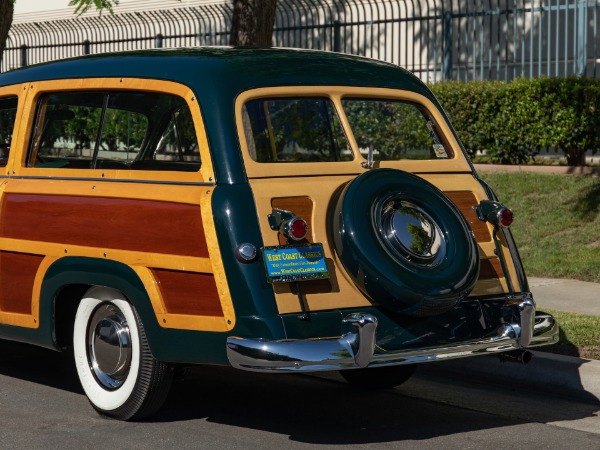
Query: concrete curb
{"x": 575, "y": 377}
{"x": 563, "y": 170}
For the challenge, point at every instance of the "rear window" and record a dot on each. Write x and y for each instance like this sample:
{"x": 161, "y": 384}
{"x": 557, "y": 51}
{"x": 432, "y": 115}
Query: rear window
{"x": 308, "y": 129}
{"x": 395, "y": 130}
{"x": 294, "y": 130}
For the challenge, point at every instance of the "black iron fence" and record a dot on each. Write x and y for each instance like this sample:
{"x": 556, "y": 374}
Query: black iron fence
{"x": 435, "y": 39}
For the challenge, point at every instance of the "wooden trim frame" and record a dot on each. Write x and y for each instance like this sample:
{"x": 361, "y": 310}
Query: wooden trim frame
{"x": 36, "y": 89}
{"x": 20, "y": 91}
{"x": 458, "y": 163}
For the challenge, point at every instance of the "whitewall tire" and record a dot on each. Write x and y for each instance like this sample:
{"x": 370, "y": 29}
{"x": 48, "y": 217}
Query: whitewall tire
{"x": 118, "y": 373}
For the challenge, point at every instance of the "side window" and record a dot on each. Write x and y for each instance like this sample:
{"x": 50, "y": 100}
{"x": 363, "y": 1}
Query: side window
{"x": 86, "y": 130}
{"x": 8, "y": 113}
{"x": 113, "y": 130}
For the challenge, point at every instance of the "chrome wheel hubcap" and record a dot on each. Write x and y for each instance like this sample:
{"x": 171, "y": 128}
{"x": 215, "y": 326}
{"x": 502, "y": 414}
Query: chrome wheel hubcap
{"x": 412, "y": 233}
{"x": 109, "y": 346}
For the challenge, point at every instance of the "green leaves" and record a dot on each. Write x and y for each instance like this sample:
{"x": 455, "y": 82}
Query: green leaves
{"x": 83, "y": 6}
{"x": 512, "y": 121}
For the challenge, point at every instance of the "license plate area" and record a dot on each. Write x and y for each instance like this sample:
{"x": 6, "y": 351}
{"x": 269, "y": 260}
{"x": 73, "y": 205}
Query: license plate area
{"x": 303, "y": 262}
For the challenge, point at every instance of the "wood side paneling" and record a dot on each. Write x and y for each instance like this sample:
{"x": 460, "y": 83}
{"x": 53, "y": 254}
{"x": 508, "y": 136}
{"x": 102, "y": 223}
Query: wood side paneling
{"x": 302, "y": 207}
{"x": 136, "y": 225}
{"x": 465, "y": 201}
{"x": 490, "y": 268}
{"x": 188, "y": 293}
{"x": 17, "y": 276}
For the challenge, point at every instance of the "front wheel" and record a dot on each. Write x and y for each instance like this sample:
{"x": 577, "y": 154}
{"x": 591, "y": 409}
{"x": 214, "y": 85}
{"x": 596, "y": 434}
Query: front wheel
{"x": 118, "y": 373}
{"x": 378, "y": 377}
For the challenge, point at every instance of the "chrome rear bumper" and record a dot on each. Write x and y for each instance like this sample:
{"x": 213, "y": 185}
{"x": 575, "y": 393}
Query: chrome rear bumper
{"x": 357, "y": 348}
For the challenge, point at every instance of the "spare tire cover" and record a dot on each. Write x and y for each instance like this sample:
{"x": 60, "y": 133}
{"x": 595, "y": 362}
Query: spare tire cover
{"x": 404, "y": 243}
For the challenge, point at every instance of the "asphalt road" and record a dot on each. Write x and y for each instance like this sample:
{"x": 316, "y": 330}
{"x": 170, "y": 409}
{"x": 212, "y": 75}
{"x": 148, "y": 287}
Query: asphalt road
{"x": 42, "y": 406}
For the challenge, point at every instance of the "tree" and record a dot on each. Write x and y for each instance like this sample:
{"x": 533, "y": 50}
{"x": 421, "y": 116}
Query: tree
{"x": 7, "y": 8}
{"x": 252, "y": 23}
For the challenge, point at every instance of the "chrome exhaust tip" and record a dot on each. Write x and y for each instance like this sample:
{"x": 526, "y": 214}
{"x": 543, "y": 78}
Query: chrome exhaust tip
{"x": 517, "y": 356}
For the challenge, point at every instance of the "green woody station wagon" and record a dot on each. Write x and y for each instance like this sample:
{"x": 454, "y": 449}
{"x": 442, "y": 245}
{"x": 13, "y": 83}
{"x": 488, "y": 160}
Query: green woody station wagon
{"x": 273, "y": 210}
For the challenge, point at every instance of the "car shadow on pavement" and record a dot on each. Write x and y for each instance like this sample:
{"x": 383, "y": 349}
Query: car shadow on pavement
{"x": 306, "y": 409}
{"x": 326, "y": 411}
{"x": 39, "y": 365}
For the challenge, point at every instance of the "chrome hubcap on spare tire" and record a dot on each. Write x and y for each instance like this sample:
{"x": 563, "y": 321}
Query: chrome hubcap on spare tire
{"x": 411, "y": 232}
{"x": 109, "y": 346}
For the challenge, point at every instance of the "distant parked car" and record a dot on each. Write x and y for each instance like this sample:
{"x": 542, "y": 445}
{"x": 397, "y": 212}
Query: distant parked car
{"x": 274, "y": 210}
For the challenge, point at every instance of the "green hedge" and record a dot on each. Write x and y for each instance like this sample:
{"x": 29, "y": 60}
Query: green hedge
{"x": 513, "y": 121}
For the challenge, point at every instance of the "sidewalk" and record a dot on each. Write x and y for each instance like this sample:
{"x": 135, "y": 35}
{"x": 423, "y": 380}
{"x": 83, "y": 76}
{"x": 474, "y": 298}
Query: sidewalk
{"x": 574, "y": 377}
{"x": 566, "y": 295}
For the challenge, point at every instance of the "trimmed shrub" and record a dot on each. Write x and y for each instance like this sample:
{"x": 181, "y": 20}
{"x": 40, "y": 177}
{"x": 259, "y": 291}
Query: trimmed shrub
{"x": 512, "y": 121}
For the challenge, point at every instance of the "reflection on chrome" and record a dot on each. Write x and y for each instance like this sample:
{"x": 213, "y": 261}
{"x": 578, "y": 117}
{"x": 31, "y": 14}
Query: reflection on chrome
{"x": 410, "y": 231}
{"x": 357, "y": 345}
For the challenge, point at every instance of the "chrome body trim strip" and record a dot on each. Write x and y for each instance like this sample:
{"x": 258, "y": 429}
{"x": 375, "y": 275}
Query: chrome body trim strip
{"x": 110, "y": 180}
{"x": 356, "y": 347}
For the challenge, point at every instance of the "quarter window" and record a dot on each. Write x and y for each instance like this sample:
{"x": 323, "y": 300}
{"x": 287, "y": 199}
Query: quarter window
{"x": 8, "y": 113}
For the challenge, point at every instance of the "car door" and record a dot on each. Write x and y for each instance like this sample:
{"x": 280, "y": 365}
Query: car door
{"x": 12, "y": 105}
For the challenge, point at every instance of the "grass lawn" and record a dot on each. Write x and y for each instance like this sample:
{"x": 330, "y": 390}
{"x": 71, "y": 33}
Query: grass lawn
{"x": 557, "y": 222}
{"x": 579, "y": 335}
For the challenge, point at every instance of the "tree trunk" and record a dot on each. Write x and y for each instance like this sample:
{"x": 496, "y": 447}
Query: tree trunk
{"x": 252, "y": 23}
{"x": 575, "y": 157}
{"x": 7, "y": 8}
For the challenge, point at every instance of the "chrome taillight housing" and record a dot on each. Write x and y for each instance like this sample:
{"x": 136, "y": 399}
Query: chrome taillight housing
{"x": 495, "y": 213}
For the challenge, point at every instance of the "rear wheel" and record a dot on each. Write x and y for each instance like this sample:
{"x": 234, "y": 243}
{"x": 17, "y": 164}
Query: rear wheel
{"x": 378, "y": 377}
{"x": 118, "y": 373}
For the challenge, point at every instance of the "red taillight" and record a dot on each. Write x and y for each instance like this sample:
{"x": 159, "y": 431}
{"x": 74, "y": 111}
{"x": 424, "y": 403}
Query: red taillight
{"x": 505, "y": 217}
{"x": 296, "y": 228}
{"x": 495, "y": 213}
{"x": 287, "y": 223}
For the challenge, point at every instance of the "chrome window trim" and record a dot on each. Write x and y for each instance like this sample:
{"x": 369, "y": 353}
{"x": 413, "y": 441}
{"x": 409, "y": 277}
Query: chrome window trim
{"x": 107, "y": 180}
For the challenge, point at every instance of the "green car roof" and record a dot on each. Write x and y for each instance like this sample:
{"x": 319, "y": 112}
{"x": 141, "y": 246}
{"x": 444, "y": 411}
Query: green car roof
{"x": 227, "y": 68}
